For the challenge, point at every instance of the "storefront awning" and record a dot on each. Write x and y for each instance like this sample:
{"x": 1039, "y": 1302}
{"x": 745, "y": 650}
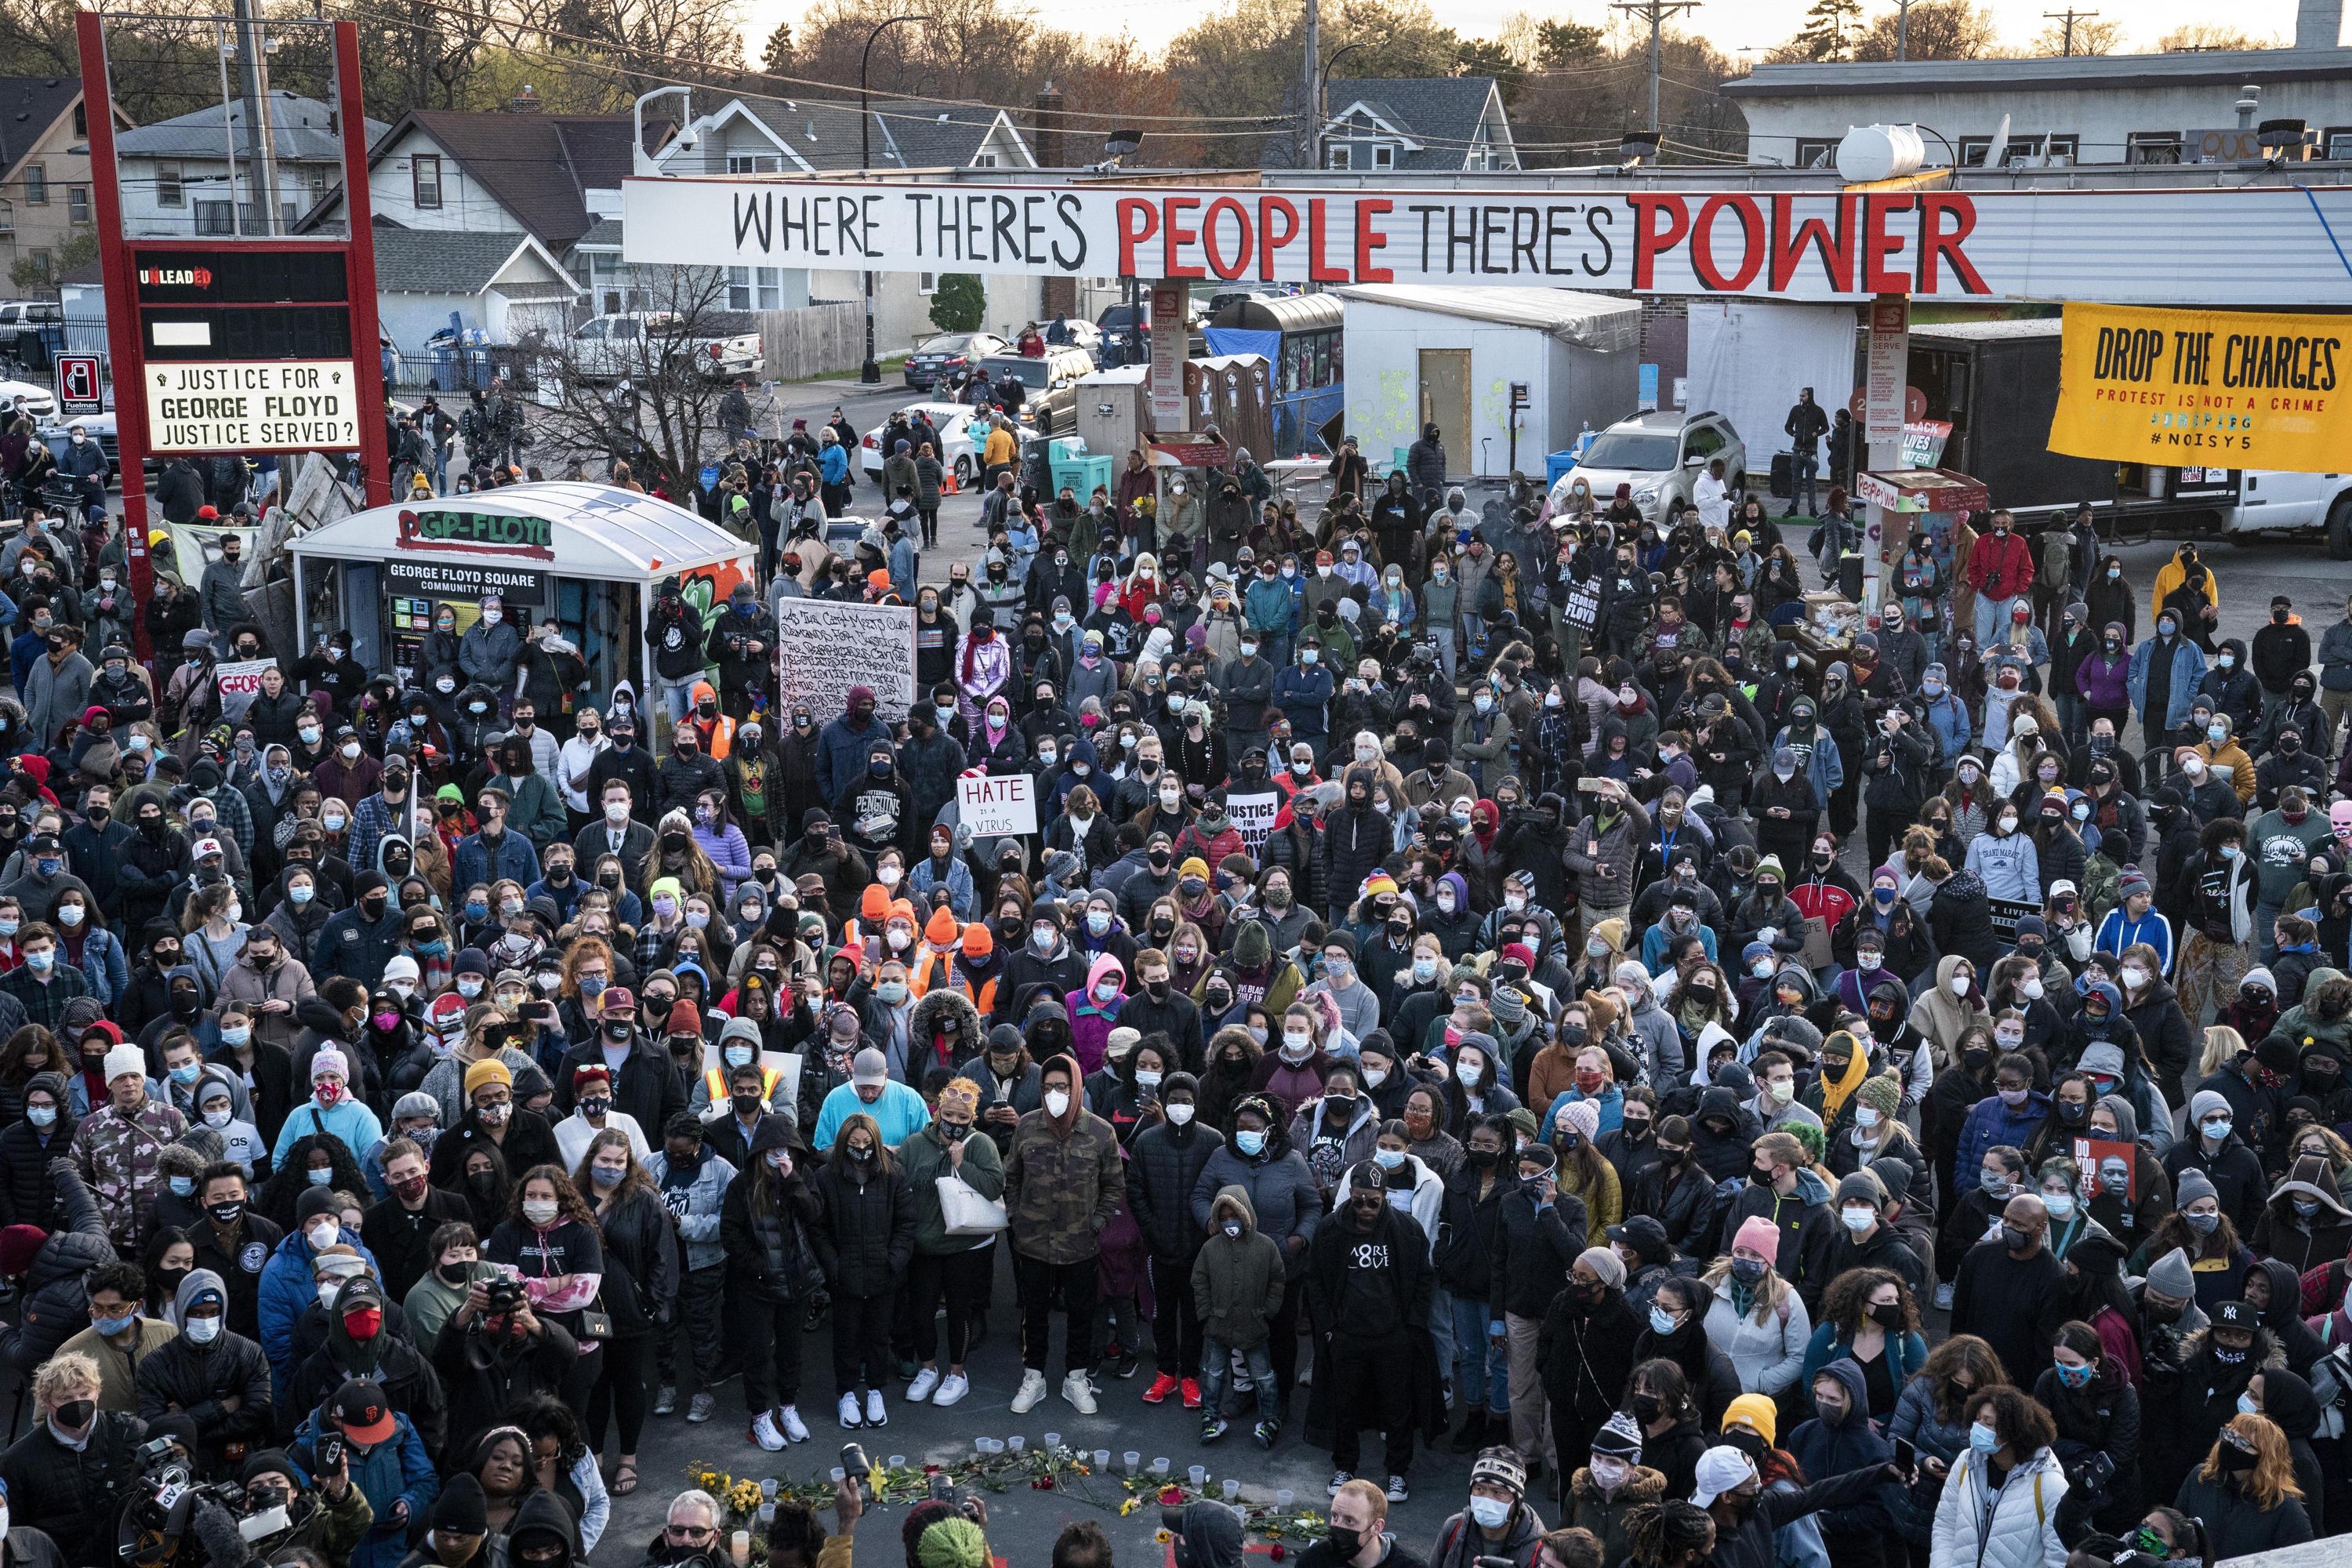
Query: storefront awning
{"x": 596, "y": 532}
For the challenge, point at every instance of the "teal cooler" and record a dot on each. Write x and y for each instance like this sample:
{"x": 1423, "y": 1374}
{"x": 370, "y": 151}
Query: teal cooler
{"x": 1081, "y": 474}
{"x": 1555, "y": 463}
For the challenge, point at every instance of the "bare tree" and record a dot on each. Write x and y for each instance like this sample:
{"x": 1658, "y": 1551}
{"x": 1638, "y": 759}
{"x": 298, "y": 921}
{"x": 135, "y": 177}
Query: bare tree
{"x": 1937, "y": 30}
{"x": 2208, "y": 35}
{"x": 645, "y": 396}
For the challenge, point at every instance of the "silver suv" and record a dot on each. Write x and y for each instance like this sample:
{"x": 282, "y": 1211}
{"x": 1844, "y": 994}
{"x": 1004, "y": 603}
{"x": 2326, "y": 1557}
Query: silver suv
{"x": 1660, "y": 455}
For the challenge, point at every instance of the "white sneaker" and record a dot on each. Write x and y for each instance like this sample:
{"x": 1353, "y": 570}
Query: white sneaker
{"x": 765, "y": 1433}
{"x": 925, "y": 1381}
{"x": 1079, "y": 1392}
{"x": 952, "y": 1387}
{"x": 875, "y": 1414}
{"x": 1031, "y": 1393}
{"x": 796, "y": 1430}
{"x": 850, "y": 1415}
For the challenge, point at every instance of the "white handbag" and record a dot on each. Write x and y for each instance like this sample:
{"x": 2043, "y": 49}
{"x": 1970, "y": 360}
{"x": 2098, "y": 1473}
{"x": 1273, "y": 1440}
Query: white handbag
{"x": 965, "y": 1212}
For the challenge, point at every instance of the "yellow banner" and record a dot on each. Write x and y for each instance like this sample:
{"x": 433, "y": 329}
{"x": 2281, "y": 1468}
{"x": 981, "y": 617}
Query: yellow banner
{"x": 2237, "y": 389}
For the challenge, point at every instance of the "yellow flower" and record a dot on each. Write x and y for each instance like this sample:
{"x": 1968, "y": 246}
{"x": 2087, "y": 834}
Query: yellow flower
{"x": 1129, "y": 1506}
{"x": 1162, "y": 1536}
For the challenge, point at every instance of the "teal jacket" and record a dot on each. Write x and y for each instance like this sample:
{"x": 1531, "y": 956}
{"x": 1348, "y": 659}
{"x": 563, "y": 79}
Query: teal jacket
{"x": 1906, "y": 1355}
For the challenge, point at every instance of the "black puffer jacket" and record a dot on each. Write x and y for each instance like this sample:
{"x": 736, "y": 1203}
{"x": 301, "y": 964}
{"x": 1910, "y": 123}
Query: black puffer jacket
{"x": 197, "y": 1378}
{"x": 865, "y": 1236}
{"x": 28, "y": 1193}
{"x": 76, "y": 1496}
{"x": 57, "y": 1303}
{"x": 640, "y": 1262}
{"x": 1164, "y": 1164}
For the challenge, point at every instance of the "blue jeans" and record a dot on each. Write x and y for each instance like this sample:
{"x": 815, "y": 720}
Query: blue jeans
{"x": 1992, "y": 618}
{"x": 1805, "y": 468}
{"x": 1215, "y": 1354}
{"x": 1482, "y": 1367}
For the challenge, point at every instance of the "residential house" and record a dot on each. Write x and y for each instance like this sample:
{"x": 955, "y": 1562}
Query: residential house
{"x": 190, "y": 176}
{"x": 821, "y": 136}
{"x": 1425, "y": 124}
{"x": 43, "y": 168}
{"x": 481, "y": 213}
{"x": 2056, "y": 111}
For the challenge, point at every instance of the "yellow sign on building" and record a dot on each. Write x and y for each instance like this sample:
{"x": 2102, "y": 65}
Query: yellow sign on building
{"x": 2234, "y": 389}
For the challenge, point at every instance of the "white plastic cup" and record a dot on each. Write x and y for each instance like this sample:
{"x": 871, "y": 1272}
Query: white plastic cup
{"x": 1102, "y": 1458}
{"x": 1285, "y": 1498}
{"x": 767, "y": 1513}
{"x": 898, "y": 1461}
{"x": 1232, "y": 1489}
{"x": 1053, "y": 1441}
{"x": 1131, "y": 1462}
{"x": 1159, "y": 1468}
{"x": 1198, "y": 1475}
{"x": 1017, "y": 1443}
{"x": 839, "y": 1475}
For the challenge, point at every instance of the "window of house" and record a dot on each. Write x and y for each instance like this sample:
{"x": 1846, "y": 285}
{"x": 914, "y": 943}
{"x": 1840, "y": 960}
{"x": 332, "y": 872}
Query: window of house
{"x": 169, "y": 190}
{"x": 7, "y": 218}
{"x": 754, "y": 288}
{"x": 755, "y": 163}
{"x": 81, "y": 119}
{"x": 2152, "y": 147}
{"x": 42, "y": 262}
{"x": 216, "y": 217}
{"x": 36, "y": 185}
{"x": 1339, "y": 158}
{"x": 424, "y": 181}
{"x": 78, "y": 203}
{"x": 1973, "y": 150}
{"x": 985, "y": 161}
{"x": 927, "y": 283}
{"x": 2335, "y": 141}
{"x": 1384, "y": 156}
{"x": 1816, "y": 152}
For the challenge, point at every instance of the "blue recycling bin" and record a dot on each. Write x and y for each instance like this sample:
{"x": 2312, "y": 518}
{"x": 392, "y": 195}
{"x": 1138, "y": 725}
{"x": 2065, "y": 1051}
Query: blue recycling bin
{"x": 1556, "y": 464}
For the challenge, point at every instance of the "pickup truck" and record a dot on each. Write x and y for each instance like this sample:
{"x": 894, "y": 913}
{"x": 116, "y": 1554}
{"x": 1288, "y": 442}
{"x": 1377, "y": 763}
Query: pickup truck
{"x": 610, "y": 348}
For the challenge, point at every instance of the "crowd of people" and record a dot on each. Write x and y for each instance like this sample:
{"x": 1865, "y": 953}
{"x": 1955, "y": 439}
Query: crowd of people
{"x": 1435, "y": 1005}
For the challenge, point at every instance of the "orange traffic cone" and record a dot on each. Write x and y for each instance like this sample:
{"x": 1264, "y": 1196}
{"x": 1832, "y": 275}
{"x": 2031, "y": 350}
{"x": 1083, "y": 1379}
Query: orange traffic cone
{"x": 947, "y": 485}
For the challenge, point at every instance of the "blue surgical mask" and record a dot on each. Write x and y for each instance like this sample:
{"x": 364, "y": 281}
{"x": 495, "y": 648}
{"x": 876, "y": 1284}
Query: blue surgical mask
{"x": 1250, "y": 1143}
{"x": 1387, "y": 1158}
{"x": 111, "y": 1326}
{"x": 41, "y": 1115}
{"x": 1660, "y": 1321}
{"x": 1983, "y": 1438}
{"x": 184, "y": 1186}
{"x": 187, "y": 1072}
{"x": 2246, "y": 1405}
{"x": 320, "y": 1178}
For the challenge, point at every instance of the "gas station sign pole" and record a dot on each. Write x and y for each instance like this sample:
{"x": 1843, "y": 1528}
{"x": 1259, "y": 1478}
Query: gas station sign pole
{"x": 208, "y": 296}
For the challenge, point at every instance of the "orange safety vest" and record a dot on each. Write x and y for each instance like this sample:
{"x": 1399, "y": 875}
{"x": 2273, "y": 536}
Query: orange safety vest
{"x": 936, "y": 969}
{"x": 714, "y": 1083}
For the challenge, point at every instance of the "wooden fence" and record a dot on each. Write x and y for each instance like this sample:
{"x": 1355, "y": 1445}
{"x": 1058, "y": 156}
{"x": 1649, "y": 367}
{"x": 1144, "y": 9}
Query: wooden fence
{"x": 824, "y": 339}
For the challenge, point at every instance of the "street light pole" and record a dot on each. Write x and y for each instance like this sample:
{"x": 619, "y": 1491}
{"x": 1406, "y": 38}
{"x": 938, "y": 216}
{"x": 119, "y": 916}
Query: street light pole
{"x": 870, "y": 373}
{"x": 1320, "y": 88}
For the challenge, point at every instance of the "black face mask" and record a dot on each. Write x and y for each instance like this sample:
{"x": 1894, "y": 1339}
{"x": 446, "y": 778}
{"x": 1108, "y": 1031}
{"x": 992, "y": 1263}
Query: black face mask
{"x": 1482, "y": 1158}
{"x": 456, "y": 1275}
{"x": 228, "y": 1212}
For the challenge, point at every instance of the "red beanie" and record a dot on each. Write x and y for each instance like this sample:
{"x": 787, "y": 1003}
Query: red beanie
{"x": 18, "y": 1243}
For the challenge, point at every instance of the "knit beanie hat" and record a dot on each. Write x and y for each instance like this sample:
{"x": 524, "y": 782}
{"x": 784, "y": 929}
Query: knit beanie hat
{"x": 1584, "y": 1117}
{"x": 2192, "y": 1186}
{"x": 1758, "y": 1411}
{"x": 952, "y": 1543}
{"x": 1605, "y": 1262}
{"x": 1882, "y": 1094}
{"x": 2172, "y": 1275}
{"x": 1620, "y": 1437}
{"x": 489, "y": 1069}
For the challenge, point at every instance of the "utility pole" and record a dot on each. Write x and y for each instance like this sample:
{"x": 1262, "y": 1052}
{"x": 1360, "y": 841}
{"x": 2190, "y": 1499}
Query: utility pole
{"x": 1902, "y": 30}
{"x": 260, "y": 136}
{"x": 869, "y": 372}
{"x": 2067, "y": 18}
{"x": 1310, "y": 131}
{"x": 1656, "y": 12}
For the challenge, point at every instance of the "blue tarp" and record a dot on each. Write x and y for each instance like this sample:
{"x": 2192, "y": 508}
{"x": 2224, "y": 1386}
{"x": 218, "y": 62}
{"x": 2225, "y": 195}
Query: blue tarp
{"x": 1235, "y": 340}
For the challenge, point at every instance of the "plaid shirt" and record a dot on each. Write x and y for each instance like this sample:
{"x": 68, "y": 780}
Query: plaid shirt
{"x": 45, "y": 1002}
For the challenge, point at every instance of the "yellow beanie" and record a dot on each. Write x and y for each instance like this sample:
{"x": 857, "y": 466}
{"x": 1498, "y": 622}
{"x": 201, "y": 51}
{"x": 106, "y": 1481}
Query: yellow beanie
{"x": 489, "y": 1069}
{"x": 1757, "y": 1410}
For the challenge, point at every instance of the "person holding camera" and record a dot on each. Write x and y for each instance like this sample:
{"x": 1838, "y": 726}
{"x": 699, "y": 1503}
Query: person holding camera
{"x": 74, "y": 1471}
{"x": 216, "y": 1376}
{"x": 331, "y": 1519}
{"x": 359, "y": 1435}
{"x": 495, "y": 1351}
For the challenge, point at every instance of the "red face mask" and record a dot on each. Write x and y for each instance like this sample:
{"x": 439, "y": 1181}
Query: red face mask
{"x": 409, "y": 1188}
{"x": 1588, "y": 1082}
{"x": 363, "y": 1324}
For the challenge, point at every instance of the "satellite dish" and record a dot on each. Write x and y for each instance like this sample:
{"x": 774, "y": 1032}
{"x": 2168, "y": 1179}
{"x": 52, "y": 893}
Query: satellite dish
{"x": 2000, "y": 148}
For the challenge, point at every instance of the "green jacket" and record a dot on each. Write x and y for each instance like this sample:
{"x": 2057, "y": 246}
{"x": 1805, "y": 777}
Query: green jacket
{"x": 925, "y": 1159}
{"x": 1237, "y": 1282}
{"x": 1063, "y": 1183}
{"x": 536, "y": 814}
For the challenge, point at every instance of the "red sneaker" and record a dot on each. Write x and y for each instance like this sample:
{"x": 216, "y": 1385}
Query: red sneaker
{"x": 1162, "y": 1387}
{"x": 1192, "y": 1393}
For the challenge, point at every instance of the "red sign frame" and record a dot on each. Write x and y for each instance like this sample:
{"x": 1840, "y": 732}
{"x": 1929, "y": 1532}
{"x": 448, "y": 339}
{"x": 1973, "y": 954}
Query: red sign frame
{"x": 118, "y": 265}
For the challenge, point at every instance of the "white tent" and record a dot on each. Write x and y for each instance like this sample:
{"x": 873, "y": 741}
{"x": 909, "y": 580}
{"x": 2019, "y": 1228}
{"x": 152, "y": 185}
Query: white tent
{"x": 598, "y": 531}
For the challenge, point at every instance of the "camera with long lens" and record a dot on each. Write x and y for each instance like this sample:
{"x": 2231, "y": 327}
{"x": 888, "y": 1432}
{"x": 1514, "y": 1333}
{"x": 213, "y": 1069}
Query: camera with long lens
{"x": 159, "y": 1517}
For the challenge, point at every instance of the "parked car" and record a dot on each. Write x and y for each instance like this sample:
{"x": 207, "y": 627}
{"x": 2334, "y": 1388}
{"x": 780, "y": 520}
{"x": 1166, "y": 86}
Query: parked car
{"x": 1661, "y": 454}
{"x": 1049, "y": 400}
{"x": 99, "y": 427}
{"x": 608, "y": 348}
{"x": 960, "y": 447}
{"x": 947, "y": 355}
{"x": 35, "y": 401}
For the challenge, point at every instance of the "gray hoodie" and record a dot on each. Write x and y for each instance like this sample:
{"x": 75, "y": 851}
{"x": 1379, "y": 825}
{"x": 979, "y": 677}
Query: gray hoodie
{"x": 1658, "y": 1042}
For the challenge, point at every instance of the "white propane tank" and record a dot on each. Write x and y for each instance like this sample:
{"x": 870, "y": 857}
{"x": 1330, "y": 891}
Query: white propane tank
{"x": 1873, "y": 153}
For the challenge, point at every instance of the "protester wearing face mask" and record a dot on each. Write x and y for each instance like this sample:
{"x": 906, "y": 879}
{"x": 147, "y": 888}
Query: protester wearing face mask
{"x": 70, "y": 1476}
{"x": 1062, "y": 1179}
{"x": 331, "y": 1108}
{"x": 2000, "y": 1499}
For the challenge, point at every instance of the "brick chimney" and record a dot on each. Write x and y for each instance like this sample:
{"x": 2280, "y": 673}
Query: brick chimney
{"x": 525, "y": 100}
{"x": 1059, "y": 295}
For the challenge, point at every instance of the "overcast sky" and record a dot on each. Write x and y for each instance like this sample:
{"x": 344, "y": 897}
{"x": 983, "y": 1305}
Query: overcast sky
{"x": 1734, "y": 26}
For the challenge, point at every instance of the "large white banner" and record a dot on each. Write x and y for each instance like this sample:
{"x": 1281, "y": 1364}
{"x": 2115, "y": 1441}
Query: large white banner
{"x": 830, "y": 646}
{"x": 2192, "y": 246}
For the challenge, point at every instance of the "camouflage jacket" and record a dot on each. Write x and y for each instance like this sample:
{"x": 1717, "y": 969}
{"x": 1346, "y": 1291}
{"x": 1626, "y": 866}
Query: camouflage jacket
{"x": 117, "y": 1154}
{"x": 1061, "y": 1190}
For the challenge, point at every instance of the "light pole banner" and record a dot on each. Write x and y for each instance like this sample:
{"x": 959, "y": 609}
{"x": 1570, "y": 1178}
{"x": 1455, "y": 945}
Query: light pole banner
{"x": 2195, "y": 247}
{"x": 2199, "y": 387}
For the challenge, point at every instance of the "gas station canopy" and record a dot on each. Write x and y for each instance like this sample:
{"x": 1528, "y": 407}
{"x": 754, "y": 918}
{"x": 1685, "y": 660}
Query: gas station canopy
{"x": 595, "y": 532}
